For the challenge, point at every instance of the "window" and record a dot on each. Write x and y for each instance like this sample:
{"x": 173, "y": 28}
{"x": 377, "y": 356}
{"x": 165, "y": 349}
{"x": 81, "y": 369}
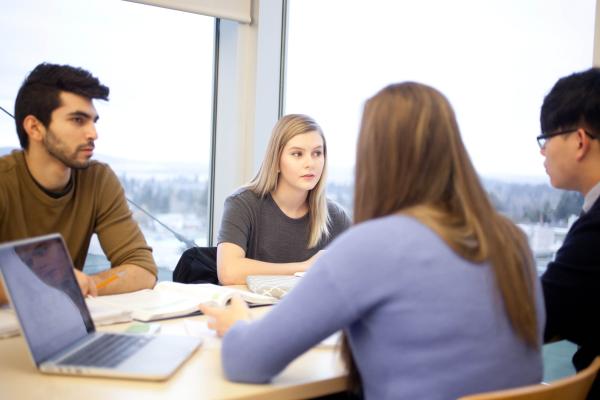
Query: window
{"x": 494, "y": 60}
{"x": 155, "y": 131}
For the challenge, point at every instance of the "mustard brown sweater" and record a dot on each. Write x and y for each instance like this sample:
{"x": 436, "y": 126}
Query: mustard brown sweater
{"x": 95, "y": 203}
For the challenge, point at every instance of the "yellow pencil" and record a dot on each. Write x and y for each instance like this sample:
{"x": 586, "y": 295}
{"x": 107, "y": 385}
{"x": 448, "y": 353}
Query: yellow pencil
{"x": 107, "y": 281}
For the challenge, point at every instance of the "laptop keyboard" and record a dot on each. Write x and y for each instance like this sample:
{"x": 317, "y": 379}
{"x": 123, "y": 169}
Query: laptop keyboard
{"x": 107, "y": 351}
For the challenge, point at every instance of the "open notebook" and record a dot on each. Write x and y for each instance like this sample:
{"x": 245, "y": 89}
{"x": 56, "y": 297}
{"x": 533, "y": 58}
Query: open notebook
{"x": 59, "y": 331}
{"x": 172, "y": 299}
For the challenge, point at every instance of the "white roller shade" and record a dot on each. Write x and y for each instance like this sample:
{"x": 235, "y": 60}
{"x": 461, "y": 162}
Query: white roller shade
{"x": 235, "y": 10}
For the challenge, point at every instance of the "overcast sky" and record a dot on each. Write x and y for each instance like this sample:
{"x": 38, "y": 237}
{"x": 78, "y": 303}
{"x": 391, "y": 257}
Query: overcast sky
{"x": 494, "y": 60}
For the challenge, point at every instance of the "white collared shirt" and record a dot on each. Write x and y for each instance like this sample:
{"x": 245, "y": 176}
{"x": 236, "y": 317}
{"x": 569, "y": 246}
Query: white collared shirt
{"x": 591, "y": 197}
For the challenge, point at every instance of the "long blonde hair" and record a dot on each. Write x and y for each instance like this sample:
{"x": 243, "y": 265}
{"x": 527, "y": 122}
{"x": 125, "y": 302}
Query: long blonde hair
{"x": 266, "y": 180}
{"x": 411, "y": 160}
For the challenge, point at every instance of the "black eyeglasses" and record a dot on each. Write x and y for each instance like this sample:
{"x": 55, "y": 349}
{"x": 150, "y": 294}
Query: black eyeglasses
{"x": 543, "y": 138}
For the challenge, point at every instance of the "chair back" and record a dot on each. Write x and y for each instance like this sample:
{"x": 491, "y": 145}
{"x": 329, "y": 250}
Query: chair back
{"x": 575, "y": 387}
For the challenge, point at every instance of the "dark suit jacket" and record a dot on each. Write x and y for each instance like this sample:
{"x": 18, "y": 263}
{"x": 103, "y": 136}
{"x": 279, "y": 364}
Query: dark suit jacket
{"x": 572, "y": 290}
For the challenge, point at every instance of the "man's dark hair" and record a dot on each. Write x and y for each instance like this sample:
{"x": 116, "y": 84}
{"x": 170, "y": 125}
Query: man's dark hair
{"x": 574, "y": 100}
{"x": 39, "y": 94}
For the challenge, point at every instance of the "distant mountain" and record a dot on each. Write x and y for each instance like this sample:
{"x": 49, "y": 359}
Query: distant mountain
{"x": 148, "y": 167}
{"x": 338, "y": 174}
{"x": 138, "y": 167}
{"x": 344, "y": 174}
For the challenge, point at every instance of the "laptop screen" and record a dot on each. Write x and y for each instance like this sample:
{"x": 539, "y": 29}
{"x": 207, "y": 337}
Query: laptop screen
{"x": 39, "y": 277}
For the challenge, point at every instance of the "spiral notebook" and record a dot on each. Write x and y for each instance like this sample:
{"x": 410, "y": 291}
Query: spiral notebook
{"x": 272, "y": 285}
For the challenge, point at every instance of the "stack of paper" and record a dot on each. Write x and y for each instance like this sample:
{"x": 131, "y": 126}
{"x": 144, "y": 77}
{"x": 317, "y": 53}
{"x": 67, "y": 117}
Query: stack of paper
{"x": 101, "y": 315}
{"x": 105, "y": 315}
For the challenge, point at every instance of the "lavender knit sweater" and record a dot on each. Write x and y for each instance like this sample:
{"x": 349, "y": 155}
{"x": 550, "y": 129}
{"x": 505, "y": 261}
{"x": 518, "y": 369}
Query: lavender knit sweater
{"x": 423, "y": 322}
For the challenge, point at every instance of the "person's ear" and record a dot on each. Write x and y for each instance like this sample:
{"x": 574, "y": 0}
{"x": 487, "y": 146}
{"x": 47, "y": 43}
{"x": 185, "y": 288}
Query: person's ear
{"x": 34, "y": 128}
{"x": 583, "y": 144}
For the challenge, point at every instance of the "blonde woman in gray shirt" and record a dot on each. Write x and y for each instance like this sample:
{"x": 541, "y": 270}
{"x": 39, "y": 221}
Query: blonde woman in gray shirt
{"x": 280, "y": 220}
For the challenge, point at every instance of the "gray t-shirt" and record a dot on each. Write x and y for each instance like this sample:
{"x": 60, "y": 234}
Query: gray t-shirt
{"x": 265, "y": 233}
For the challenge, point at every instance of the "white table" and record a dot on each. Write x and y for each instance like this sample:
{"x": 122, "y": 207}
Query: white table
{"x": 318, "y": 372}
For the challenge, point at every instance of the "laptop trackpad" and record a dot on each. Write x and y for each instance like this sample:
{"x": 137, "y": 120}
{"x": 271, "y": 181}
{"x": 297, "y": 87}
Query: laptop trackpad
{"x": 161, "y": 356}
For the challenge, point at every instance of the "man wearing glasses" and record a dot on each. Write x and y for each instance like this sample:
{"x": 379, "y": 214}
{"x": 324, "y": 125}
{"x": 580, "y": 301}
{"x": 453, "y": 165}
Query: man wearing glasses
{"x": 570, "y": 121}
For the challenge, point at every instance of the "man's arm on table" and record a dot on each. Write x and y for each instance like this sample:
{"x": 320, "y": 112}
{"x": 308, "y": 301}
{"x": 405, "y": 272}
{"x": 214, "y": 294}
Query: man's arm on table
{"x": 122, "y": 279}
{"x": 130, "y": 278}
{"x": 123, "y": 244}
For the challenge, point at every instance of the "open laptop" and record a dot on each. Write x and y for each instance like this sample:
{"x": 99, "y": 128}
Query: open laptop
{"x": 38, "y": 275}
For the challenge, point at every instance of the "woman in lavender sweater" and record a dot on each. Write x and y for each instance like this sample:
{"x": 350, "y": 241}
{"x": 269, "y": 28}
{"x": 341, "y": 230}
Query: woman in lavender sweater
{"x": 435, "y": 291}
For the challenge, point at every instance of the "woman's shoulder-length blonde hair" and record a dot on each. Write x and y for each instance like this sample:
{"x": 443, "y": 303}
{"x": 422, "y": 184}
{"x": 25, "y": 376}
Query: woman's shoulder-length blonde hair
{"x": 411, "y": 160}
{"x": 266, "y": 179}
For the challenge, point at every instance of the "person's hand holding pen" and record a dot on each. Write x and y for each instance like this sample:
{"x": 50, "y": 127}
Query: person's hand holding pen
{"x": 109, "y": 280}
{"x": 102, "y": 280}
{"x": 86, "y": 284}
